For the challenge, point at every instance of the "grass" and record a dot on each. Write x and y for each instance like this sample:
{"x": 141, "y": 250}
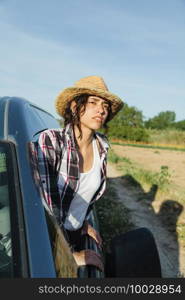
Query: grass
{"x": 114, "y": 158}
{"x": 171, "y": 139}
{"x": 148, "y": 178}
{"x": 151, "y": 146}
{"x": 113, "y": 217}
{"x": 161, "y": 179}
{"x": 167, "y": 136}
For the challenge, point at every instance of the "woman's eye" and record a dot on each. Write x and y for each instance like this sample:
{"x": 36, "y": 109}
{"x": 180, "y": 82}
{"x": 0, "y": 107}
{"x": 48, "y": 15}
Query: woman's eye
{"x": 106, "y": 107}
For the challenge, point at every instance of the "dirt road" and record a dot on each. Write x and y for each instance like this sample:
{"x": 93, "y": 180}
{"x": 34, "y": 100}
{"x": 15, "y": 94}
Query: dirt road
{"x": 153, "y": 159}
{"x": 172, "y": 255}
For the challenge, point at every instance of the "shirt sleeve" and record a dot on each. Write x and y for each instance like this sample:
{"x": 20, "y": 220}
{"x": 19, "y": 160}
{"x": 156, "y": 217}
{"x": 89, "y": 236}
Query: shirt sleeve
{"x": 49, "y": 153}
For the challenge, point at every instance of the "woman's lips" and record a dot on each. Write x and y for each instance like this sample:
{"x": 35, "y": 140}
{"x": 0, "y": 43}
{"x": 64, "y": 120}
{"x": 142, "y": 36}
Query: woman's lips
{"x": 99, "y": 119}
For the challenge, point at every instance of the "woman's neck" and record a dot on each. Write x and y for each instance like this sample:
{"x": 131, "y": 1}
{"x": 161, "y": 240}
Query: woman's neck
{"x": 87, "y": 137}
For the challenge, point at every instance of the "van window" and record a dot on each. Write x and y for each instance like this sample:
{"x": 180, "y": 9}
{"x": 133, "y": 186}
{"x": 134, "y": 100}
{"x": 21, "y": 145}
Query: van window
{"x": 13, "y": 256}
{"x": 47, "y": 119}
{"x": 5, "y": 231}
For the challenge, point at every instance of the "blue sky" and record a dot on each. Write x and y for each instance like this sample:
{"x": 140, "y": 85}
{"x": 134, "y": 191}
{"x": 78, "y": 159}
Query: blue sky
{"x": 137, "y": 46}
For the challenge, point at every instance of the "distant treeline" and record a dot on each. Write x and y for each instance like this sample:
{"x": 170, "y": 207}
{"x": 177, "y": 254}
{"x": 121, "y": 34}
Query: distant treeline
{"x": 129, "y": 124}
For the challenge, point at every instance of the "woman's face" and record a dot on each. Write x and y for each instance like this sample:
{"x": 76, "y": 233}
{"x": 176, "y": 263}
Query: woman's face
{"x": 95, "y": 114}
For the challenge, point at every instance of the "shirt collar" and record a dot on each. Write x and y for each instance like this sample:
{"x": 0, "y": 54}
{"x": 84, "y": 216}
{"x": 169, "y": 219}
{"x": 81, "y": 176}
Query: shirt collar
{"x": 103, "y": 142}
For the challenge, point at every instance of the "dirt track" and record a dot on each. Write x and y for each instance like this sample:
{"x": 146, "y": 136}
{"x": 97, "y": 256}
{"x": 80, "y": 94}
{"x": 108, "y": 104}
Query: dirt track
{"x": 172, "y": 256}
{"x": 153, "y": 159}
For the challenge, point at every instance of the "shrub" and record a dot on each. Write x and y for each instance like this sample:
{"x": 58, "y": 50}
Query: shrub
{"x": 136, "y": 134}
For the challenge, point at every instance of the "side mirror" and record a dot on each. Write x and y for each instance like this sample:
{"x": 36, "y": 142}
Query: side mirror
{"x": 133, "y": 254}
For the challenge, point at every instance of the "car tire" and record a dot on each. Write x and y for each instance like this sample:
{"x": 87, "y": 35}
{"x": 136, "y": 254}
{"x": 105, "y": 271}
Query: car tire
{"x": 133, "y": 254}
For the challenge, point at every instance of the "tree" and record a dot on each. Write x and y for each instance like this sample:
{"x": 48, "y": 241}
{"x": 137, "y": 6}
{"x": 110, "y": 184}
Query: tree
{"x": 128, "y": 116}
{"x": 179, "y": 125}
{"x": 162, "y": 121}
{"x": 128, "y": 124}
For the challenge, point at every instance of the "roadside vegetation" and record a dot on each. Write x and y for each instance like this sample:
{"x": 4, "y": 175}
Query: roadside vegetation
{"x": 113, "y": 217}
{"x": 167, "y": 137}
{"x": 176, "y": 147}
{"x": 141, "y": 175}
{"x": 138, "y": 176}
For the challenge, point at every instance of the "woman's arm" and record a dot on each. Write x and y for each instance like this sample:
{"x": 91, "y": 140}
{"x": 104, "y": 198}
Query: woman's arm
{"x": 48, "y": 160}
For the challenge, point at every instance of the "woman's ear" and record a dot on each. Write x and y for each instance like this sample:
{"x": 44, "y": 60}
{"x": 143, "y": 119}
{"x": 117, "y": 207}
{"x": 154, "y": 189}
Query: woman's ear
{"x": 73, "y": 106}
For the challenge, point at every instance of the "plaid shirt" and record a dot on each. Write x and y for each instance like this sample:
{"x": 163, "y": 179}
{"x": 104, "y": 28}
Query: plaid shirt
{"x": 56, "y": 159}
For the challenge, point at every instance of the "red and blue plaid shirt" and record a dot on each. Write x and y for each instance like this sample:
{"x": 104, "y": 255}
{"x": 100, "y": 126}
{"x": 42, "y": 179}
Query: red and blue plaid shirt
{"x": 56, "y": 159}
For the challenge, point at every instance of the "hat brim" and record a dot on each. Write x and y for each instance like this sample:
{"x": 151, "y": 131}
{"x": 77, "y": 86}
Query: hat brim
{"x": 70, "y": 93}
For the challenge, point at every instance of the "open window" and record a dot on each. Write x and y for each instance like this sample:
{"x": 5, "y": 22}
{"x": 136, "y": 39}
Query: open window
{"x": 5, "y": 231}
{"x": 65, "y": 265}
{"x": 11, "y": 229}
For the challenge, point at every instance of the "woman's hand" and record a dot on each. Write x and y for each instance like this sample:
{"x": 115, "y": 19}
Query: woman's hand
{"x": 88, "y": 257}
{"x": 88, "y": 229}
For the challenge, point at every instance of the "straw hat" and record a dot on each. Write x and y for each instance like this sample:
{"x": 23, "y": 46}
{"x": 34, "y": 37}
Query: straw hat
{"x": 91, "y": 85}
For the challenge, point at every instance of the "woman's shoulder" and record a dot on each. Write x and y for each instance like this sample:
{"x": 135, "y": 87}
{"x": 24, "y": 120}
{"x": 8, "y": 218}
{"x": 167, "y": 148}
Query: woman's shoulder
{"x": 52, "y": 134}
{"x": 52, "y": 131}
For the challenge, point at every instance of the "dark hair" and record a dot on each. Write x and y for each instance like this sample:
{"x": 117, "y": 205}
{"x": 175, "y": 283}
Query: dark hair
{"x": 74, "y": 118}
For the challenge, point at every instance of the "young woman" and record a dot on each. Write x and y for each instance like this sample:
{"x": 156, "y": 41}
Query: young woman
{"x": 72, "y": 160}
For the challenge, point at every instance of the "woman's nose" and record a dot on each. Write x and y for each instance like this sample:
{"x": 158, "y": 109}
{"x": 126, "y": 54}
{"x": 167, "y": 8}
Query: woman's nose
{"x": 101, "y": 109}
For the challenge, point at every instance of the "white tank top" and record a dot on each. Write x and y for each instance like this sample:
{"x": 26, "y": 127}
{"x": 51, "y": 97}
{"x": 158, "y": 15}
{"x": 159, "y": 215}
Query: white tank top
{"x": 89, "y": 184}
